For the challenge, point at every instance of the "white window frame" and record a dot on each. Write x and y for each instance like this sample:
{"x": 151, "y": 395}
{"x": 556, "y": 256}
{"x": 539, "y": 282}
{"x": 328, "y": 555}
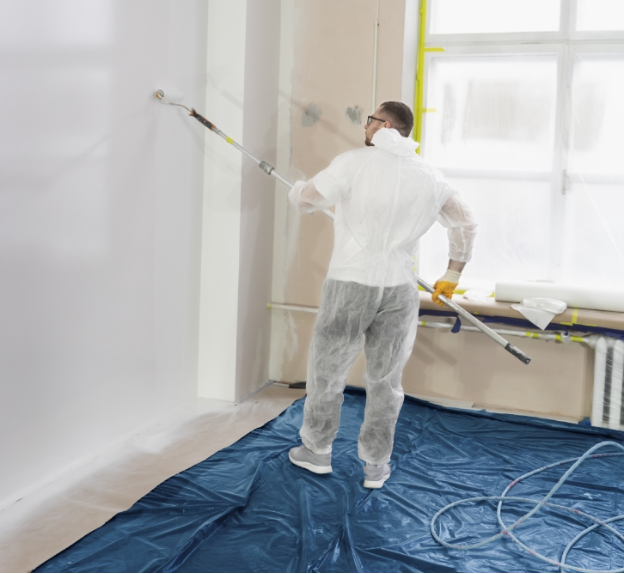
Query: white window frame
{"x": 565, "y": 43}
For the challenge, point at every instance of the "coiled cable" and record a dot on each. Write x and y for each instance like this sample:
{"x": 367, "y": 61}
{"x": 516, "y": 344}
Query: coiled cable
{"x": 509, "y": 530}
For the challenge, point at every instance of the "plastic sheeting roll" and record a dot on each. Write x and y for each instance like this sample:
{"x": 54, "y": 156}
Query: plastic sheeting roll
{"x": 574, "y": 296}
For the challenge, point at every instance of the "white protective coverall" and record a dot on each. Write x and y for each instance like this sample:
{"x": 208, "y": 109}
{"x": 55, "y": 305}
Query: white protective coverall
{"x": 386, "y": 198}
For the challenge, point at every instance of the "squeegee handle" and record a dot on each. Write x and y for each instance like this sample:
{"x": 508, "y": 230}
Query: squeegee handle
{"x": 478, "y": 324}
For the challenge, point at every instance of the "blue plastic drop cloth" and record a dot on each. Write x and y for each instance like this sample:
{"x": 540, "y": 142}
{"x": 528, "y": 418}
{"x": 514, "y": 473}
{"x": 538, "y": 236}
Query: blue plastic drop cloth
{"x": 248, "y": 509}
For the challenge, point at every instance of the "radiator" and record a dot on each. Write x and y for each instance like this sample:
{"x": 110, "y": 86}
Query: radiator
{"x": 608, "y": 398}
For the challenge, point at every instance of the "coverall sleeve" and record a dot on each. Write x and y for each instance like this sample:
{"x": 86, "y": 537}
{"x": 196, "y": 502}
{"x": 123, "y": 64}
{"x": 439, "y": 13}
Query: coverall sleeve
{"x": 326, "y": 188}
{"x": 306, "y": 198}
{"x": 457, "y": 217}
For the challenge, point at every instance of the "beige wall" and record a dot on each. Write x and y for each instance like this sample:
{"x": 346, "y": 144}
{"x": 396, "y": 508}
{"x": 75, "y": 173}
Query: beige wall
{"x": 332, "y": 71}
{"x": 331, "y": 46}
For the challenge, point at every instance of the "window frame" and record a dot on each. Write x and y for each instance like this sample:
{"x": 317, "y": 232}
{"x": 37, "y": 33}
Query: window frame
{"x": 566, "y": 44}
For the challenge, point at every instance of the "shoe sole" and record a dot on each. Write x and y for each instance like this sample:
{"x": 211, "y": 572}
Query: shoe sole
{"x": 311, "y": 467}
{"x": 376, "y": 483}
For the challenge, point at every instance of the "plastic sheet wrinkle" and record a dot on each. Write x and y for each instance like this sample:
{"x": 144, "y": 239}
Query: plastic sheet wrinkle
{"x": 247, "y": 508}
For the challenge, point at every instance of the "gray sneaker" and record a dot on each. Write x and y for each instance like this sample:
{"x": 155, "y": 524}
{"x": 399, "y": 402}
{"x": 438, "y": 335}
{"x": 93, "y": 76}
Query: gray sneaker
{"x": 375, "y": 475}
{"x": 305, "y": 458}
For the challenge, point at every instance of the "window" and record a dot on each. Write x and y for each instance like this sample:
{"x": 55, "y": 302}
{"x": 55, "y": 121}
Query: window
{"x": 523, "y": 113}
{"x": 460, "y": 16}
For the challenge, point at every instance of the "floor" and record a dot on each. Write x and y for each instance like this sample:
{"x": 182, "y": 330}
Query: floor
{"x": 248, "y": 509}
{"x": 49, "y": 520}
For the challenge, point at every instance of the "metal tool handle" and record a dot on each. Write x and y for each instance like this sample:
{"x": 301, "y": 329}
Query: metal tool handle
{"x": 270, "y": 170}
{"x": 478, "y": 324}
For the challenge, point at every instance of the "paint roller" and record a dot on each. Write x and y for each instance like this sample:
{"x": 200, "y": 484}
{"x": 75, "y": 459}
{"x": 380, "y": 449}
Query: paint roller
{"x": 173, "y": 99}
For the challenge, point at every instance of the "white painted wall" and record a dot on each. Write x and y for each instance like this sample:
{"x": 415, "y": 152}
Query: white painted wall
{"x": 284, "y": 227}
{"x": 100, "y": 213}
{"x": 237, "y": 243}
{"x": 262, "y": 66}
{"x": 221, "y": 222}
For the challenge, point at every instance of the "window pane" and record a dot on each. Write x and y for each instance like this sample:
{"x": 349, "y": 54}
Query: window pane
{"x": 513, "y": 237}
{"x": 594, "y": 241}
{"x": 491, "y": 16}
{"x": 597, "y": 96}
{"x": 493, "y": 112}
{"x": 600, "y": 15}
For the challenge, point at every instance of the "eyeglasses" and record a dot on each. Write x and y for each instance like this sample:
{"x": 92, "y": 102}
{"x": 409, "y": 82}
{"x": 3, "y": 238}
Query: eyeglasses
{"x": 371, "y": 118}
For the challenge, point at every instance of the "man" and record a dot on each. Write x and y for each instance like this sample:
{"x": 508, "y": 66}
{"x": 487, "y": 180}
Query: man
{"x": 386, "y": 198}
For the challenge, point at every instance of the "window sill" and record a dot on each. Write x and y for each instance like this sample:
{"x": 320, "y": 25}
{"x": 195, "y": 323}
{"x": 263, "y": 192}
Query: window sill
{"x": 573, "y": 318}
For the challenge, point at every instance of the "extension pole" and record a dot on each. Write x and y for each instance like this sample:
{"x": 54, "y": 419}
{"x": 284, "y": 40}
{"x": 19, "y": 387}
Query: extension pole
{"x": 263, "y": 165}
{"x": 270, "y": 170}
{"x": 478, "y": 324}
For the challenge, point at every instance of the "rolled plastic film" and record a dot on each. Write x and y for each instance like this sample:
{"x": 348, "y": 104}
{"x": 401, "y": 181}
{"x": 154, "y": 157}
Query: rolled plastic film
{"x": 573, "y": 295}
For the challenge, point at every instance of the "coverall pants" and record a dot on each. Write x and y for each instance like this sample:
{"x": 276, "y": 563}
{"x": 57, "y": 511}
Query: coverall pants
{"x": 352, "y": 315}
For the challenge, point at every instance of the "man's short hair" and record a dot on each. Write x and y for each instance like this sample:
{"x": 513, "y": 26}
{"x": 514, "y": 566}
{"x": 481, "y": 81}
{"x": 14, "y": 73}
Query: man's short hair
{"x": 401, "y": 117}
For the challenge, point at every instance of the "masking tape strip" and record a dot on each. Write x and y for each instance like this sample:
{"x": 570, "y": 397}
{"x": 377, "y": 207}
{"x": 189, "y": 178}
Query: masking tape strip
{"x": 229, "y": 140}
{"x": 434, "y": 49}
{"x": 429, "y": 110}
{"x": 420, "y": 75}
{"x": 574, "y": 320}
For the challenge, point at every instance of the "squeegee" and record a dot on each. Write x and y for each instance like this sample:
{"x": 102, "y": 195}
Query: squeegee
{"x": 270, "y": 170}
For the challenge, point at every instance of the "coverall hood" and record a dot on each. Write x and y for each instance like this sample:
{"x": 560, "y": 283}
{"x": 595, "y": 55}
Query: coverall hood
{"x": 391, "y": 140}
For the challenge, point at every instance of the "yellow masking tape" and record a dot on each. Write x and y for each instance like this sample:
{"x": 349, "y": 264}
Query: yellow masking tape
{"x": 229, "y": 140}
{"x": 429, "y": 110}
{"x": 434, "y": 49}
{"x": 558, "y": 337}
{"x": 577, "y": 339}
{"x": 574, "y": 321}
{"x": 420, "y": 75}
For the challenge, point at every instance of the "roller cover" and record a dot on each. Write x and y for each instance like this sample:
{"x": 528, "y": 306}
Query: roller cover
{"x": 573, "y": 295}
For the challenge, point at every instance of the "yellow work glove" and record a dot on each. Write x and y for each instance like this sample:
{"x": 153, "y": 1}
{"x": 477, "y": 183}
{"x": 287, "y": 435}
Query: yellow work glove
{"x": 446, "y": 286}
